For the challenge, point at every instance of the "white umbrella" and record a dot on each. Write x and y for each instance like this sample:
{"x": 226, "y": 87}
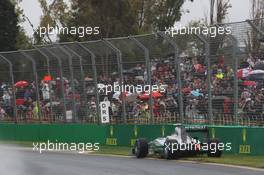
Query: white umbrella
{"x": 52, "y": 103}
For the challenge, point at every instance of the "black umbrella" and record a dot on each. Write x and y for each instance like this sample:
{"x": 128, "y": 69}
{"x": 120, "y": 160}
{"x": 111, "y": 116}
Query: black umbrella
{"x": 244, "y": 65}
{"x": 256, "y": 77}
{"x": 259, "y": 66}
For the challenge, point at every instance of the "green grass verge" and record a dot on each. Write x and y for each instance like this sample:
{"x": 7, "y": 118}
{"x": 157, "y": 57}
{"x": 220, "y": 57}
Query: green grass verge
{"x": 17, "y": 143}
{"x": 241, "y": 160}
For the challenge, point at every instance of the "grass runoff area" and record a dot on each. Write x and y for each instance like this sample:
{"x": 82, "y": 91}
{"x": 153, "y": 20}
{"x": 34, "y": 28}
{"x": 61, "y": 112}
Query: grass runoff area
{"x": 241, "y": 160}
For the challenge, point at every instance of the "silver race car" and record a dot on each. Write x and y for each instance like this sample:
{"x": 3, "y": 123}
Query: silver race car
{"x": 178, "y": 144}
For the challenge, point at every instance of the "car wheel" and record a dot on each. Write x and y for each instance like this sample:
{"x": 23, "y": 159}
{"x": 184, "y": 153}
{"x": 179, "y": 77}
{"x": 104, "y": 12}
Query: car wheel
{"x": 141, "y": 148}
{"x": 167, "y": 149}
{"x": 213, "y": 150}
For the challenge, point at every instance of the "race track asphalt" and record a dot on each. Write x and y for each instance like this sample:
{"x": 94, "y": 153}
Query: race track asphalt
{"x": 26, "y": 162}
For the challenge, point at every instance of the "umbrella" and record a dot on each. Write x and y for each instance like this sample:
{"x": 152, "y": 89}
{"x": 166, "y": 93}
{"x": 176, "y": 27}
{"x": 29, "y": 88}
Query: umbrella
{"x": 243, "y": 73}
{"x": 249, "y": 83}
{"x": 196, "y": 93}
{"x": 244, "y": 65}
{"x": 47, "y": 78}
{"x": 156, "y": 94}
{"x": 20, "y": 101}
{"x": 118, "y": 95}
{"x": 259, "y": 66}
{"x": 141, "y": 78}
{"x": 256, "y": 77}
{"x": 88, "y": 79}
{"x": 146, "y": 96}
{"x": 21, "y": 84}
{"x": 52, "y": 104}
{"x": 256, "y": 72}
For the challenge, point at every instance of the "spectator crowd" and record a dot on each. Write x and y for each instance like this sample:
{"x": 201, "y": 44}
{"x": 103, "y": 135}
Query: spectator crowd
{"x": 194, "y": 81}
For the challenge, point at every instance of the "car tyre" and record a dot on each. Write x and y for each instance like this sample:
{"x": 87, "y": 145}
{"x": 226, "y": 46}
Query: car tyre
{"x": 141, "y": 148}
{"x": 212, "y": 151}
{"x": 168, "y": 154}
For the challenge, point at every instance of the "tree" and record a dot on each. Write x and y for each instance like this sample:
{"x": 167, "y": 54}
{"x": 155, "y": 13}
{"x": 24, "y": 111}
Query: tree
{"x": 156, "y": 14}
{"x": 9, "y": 28}
{"x": 218, "y": 17}
{"x": 114, "y": 17}
{"x": 257, "y": 11}
{"x": 54, "y": 15}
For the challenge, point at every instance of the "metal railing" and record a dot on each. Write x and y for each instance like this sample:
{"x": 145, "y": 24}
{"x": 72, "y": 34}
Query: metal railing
{"x": 208, "y": 80}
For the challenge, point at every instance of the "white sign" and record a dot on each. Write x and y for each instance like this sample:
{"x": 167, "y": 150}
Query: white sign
{"x": 104, "y": 106}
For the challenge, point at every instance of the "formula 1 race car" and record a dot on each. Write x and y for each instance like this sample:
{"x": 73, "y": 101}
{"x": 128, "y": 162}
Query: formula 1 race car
{"x": 179, "y": 144}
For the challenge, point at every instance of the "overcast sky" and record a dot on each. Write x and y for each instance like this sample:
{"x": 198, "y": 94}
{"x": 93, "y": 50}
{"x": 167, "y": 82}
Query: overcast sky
{"x": 198, "y": 9}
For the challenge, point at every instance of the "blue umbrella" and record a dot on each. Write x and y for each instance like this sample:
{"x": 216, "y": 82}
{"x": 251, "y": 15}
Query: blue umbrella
{"x": 196, "y": 93}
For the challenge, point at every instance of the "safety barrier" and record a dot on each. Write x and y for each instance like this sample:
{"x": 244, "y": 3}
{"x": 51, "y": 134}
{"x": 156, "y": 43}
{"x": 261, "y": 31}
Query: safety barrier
{"x": 244, "y": 140}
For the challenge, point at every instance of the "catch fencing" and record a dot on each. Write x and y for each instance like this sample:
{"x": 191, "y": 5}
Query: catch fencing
{"x": 144, "y": 79}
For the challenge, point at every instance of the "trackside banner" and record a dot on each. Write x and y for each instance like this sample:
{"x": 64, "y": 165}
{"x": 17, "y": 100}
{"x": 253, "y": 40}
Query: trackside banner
{"x": 104, "y": 106}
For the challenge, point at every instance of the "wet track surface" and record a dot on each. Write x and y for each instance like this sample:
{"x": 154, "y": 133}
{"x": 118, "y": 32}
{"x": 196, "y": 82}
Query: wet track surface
{"x": 18, "y": 162}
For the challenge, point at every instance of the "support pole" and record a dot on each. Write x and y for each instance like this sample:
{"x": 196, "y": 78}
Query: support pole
{"x": 69, "y": 56}
{"x": 148, "y": 66}
{"x": 82, "y": 77}
{"x": 94, "y": 79}
{"x": 11, "y": 74}
{"x": 235, "y": 59}
{"x": 36, "y": 81}
{"x": 120, "y": 70}
{"x": 209, "y": 76}
{"x": 178, "y": 69}
{"x": 49, "y": 83}
{"x": 61, "y": 82}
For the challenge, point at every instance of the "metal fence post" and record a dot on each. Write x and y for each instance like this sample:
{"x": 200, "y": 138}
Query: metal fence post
{"x": 13, "y": 85}
{"x": 36, "y": 81}
{"x": 148, "y": 66}
{"x": 72, "y": 80}
{"x": 94, "y": 79}
{"x": 235, "y": 59}
{"x": 209, "y": 76}
{"x": 178, "y": 69}
{"x": 48, "y": 65}
{"x": 120, "y": 67}
{"x": 82, "y": 76}
{"x": 61, "y": 81}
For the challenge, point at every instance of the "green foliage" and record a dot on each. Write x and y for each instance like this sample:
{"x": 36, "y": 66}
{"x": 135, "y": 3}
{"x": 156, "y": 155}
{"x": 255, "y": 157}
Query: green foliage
{"x": 22, "y": 40}
{"x": 9, "y": 26}
{"x": 114, "y": 17}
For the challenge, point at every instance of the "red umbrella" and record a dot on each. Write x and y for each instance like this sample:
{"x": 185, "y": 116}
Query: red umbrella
{"x": 21, "y": 84}
{"x": 20, "y": 101}
{"x": 249, "y": 83}
{"x": 243, "y": 73}
{"x": 146, "y": 96}
{"x": 156, "y": 94}
{"x": 47, "y": 78}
